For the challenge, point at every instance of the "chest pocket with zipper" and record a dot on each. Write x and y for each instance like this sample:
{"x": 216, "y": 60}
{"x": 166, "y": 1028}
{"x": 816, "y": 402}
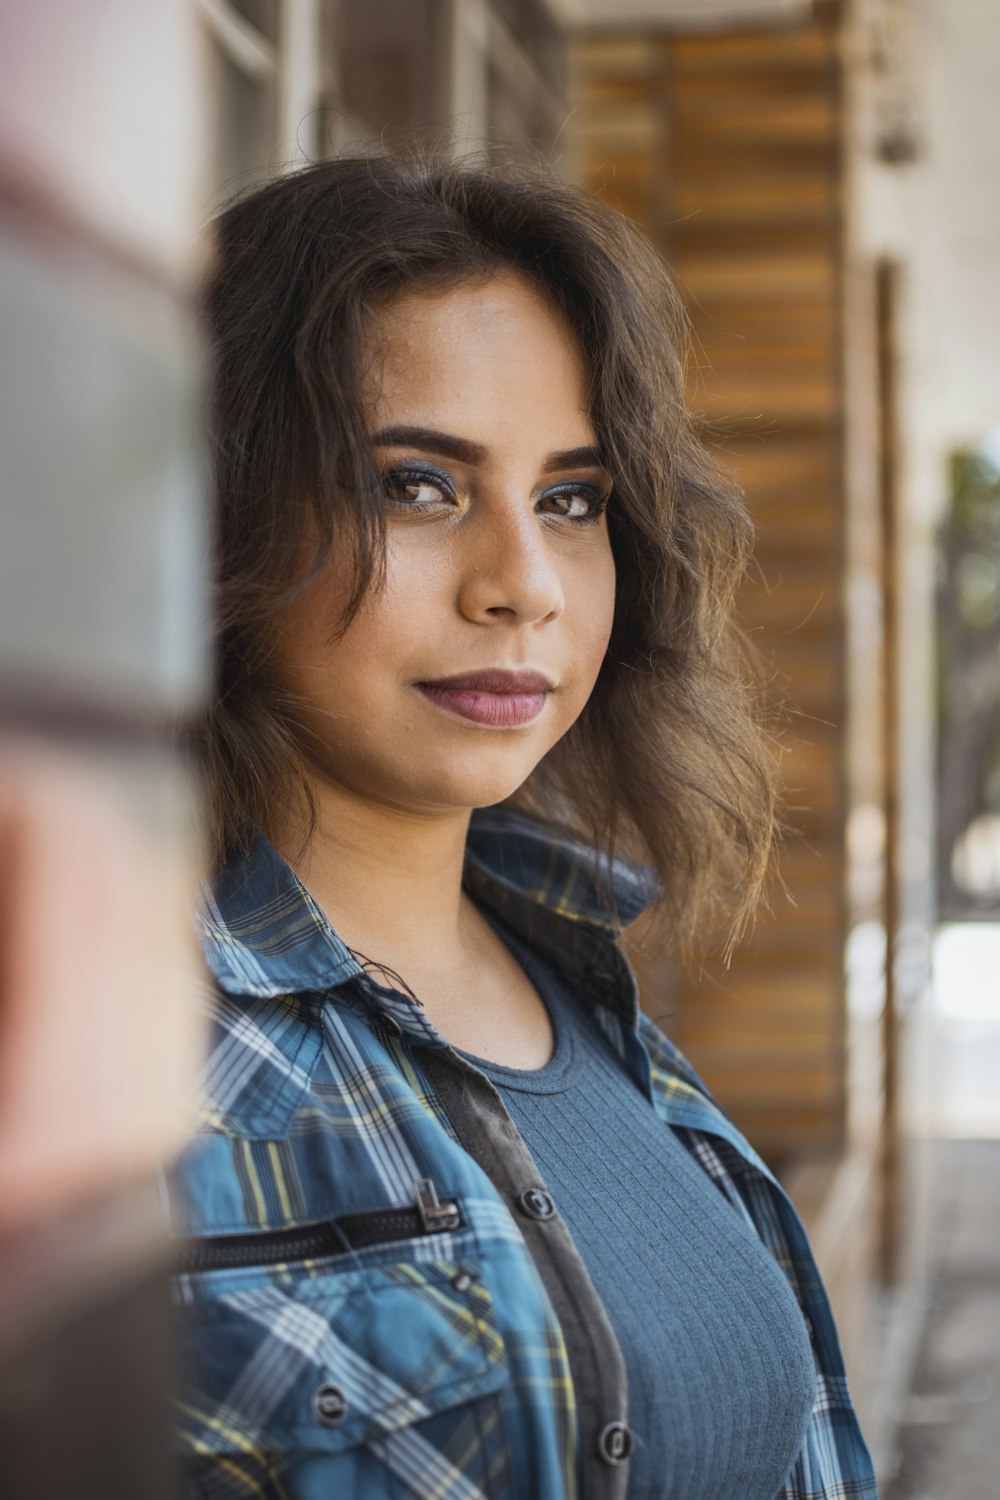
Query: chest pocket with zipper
{"x": 344, "y": 1359}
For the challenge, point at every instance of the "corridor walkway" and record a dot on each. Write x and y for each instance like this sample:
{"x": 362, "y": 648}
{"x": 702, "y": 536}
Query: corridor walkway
{"x": 950, "y": 1437}
{"x": 947, "y": 1446}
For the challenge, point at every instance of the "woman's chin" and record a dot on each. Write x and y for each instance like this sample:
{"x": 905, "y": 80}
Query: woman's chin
{"x": 483, "y": 792}
{"x": 467, "y": 788}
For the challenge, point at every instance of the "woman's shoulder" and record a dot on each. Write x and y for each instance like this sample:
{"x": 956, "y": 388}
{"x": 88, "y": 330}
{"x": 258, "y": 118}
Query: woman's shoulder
{"x": 684, "y": 1101}
{"x": 557, "y": 868}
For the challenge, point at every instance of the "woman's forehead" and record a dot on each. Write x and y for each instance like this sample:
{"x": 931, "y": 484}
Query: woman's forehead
{"x": 493, "y": 353}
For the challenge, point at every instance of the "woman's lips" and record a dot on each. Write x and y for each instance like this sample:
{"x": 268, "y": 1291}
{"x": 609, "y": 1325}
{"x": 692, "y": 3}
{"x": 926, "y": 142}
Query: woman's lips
{"x": 497, "y": 698}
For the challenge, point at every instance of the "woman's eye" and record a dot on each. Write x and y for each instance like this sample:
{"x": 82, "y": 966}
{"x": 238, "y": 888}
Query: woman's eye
{"x": 578, "y": 502}
{"x": 414, "y": 489}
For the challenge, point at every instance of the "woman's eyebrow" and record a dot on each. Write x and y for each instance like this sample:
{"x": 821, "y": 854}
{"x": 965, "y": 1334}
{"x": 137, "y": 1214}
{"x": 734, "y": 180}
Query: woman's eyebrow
{"x": 575, "y": 458}
{"x": 431, "y": 441}
{"x": 463, "y": 450}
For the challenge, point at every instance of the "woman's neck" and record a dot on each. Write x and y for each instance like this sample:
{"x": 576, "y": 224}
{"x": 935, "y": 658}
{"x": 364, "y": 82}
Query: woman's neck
{"x": 389, "y": 880}
{"x": 391, "y": 884}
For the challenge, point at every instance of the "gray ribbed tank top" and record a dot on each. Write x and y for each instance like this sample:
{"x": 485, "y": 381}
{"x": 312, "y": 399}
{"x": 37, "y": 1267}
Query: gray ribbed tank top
{"x": 720, "y": 1370}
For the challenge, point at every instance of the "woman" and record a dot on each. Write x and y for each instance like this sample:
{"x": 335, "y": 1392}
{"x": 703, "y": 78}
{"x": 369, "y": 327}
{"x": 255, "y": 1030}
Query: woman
{"x": 475, "y": 573}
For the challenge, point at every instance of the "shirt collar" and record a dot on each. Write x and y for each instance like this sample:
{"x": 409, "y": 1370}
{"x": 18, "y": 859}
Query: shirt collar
{"x": 262, "y": 934}
{"x": 555, "y": 871}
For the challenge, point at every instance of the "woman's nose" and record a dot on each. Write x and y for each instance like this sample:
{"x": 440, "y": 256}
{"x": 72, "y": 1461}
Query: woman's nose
{"x": 508, "y": 568}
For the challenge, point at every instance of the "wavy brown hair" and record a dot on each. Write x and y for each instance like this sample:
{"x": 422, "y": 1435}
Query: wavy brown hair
{"x": 669, "y": 761}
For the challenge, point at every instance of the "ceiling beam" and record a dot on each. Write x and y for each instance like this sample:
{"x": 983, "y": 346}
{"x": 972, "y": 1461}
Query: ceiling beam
{"x": 701, "y": 15}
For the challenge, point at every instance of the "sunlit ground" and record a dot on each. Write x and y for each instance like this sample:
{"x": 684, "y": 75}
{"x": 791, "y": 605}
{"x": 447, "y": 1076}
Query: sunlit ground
{"x": 966, "y": 1030}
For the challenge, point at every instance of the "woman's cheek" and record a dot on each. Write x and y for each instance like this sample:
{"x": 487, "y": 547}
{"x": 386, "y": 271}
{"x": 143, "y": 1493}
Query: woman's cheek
{"x": 598, "y": 618}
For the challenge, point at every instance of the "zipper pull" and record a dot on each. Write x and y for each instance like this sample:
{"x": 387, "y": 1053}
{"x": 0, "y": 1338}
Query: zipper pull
{"x": 436, "y": 1217}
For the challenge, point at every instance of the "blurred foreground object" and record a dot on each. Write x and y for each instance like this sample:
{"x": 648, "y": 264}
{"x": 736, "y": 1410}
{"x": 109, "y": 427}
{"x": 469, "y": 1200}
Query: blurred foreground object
{"x": 96, "y": 1056}
{"x": 102, "y": 557}
{"x": 96, "y": 1053}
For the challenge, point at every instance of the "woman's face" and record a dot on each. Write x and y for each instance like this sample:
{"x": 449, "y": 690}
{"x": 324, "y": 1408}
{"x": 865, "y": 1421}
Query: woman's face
{"x": 484, "y": 644}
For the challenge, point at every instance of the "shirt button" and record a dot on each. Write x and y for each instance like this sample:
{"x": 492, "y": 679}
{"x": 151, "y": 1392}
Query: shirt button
{"x": 615, "y": 1444}
{"x": 331, "y": 1405}
{"x": 536, "y": 1203}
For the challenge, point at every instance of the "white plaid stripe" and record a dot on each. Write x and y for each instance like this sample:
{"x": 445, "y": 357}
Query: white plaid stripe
{"x": 392, "y": 1161}
{"x": 243, "y": 959}
{"x": 423, "y": 1468}
{"x": 305, "y": 1331}
{"x": 242, "y": 1047}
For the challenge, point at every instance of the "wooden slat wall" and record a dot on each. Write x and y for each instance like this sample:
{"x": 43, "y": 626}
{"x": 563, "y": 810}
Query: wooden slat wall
{"x": 726, "y": 148}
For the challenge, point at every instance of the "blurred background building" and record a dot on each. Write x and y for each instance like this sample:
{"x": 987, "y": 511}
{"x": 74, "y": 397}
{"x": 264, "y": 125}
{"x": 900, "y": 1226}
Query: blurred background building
{"x": 821, "y": 177}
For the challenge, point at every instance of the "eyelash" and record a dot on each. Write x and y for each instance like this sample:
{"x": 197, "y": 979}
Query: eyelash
{"x": 426, "y": 474}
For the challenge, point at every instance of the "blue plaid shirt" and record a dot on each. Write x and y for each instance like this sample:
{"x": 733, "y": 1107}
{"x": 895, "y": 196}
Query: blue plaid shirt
{"x": 359, "y": 1312}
